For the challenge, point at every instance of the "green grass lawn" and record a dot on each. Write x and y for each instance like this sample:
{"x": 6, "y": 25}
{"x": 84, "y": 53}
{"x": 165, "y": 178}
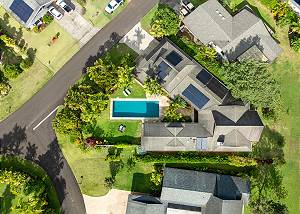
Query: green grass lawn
{"x": 96, "y": 14}
{"x": 147, "y": 19}
{"x": 92, "y": 166}
{"x": 48, "y": 61}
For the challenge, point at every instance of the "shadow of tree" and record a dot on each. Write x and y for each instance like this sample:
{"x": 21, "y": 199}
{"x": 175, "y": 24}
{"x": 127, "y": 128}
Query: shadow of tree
{"x": 270, "y": 147}
{"x": 141, "y": 183}
{"x": 114, "y": 39}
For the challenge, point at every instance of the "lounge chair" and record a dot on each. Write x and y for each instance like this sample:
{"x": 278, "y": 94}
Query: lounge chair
{"x": 127, "y": 91}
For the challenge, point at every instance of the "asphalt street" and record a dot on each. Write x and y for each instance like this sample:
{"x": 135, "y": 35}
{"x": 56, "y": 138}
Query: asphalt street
{"x": 28, "y": 132}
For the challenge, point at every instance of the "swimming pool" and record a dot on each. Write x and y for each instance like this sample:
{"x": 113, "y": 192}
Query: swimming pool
{"x": 134, "y": 108}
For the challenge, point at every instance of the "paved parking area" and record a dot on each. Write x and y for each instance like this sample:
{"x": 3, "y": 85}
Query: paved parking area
{"x": 114, "y": 202}
{"x": 77, "y": 26}
{"x": 139, "y": 40}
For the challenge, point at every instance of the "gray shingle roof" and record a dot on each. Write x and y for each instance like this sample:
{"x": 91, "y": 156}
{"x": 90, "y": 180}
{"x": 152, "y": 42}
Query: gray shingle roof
{"x": 233, "y": 34}
{"x": 35, "y": 5}
{"x": 144, "y": 205}
{"x": 187, "y": 190}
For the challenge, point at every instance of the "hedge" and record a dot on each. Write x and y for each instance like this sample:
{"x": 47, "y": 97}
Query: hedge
{"x": 199, "y": 157}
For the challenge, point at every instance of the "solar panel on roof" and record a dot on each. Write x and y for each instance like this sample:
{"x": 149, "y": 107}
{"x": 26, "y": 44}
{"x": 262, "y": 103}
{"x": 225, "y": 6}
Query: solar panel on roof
{"x": 215, "y": 86}
{"x": 204, "y": 76}
{"x": 21, "y": 9}
{"x": 195, "y": 96}
{"x": 174, "y": 58}
{"x": 163, "y": 70}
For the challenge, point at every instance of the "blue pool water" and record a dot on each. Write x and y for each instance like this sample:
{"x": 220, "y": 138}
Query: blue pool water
{"x": 135, "y": 108}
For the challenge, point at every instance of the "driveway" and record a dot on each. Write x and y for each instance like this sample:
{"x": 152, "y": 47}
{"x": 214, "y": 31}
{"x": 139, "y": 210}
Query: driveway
{"x": 139, "y": 40}
{"x": 114, "y": 202}
{"x": 77, "y": 26}
{"x": 28, "y": 132}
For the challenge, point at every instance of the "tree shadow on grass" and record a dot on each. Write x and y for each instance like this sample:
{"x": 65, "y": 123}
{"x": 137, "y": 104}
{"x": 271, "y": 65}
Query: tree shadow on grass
{"x": 270, "y": 147}
{"x": 141, "y": 183}
{"x": 114, "y": 39}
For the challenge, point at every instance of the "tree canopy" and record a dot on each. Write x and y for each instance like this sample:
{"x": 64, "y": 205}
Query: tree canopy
{"x": 165, "y": 22}
{"x": 252, "y": 82}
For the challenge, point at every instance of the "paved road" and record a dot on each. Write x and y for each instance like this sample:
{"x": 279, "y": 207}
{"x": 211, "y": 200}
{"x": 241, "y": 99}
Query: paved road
{"x": 17, "y": 136}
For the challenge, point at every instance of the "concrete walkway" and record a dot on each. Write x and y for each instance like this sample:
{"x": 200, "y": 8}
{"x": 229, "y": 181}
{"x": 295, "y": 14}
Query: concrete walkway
{"x": 114, "y": 202}
{"x": 138, "y": 39}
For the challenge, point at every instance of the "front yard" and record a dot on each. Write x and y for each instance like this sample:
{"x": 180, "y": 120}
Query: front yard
{"x": 96, "y": 14}
{"x": 48, "y": 60}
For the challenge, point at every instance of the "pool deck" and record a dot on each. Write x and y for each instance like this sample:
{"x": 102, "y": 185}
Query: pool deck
{"x": 161, "y": 108}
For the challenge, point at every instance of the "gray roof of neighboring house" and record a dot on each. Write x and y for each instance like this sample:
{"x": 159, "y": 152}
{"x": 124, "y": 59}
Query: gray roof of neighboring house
{"x": 144, "y": 205}
{"x": 214, "y": 193}
{"x": 33, "y": 8}
{"x": 233, "y": 34}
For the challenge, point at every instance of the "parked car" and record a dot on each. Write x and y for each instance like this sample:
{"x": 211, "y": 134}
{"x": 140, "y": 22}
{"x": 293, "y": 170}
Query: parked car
{"x": 54, "y": 12}
{"x": 113, "y": 5}
{"x": 64, "y": 6}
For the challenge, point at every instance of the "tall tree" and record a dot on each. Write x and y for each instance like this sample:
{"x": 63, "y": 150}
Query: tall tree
{"x": 252, "y": 82}
{"x": 165, "y": 22}
{"x": 104, "y": 74}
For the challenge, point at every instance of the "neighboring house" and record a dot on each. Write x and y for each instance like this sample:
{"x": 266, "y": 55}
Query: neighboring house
{"x": 27, "y": 12}
{"x": 191, "y": 192}
{"x": 220, "y": 122}
{"x": 237, "y": 37}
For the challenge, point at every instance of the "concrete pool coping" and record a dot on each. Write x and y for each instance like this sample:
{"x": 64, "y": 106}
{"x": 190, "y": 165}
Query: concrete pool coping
{"x": 133, "y": 118}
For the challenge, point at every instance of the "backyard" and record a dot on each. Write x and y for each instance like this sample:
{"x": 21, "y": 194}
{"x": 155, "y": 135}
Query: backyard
{"x": 48, "y": 60}
{"x": 95, "y": 12}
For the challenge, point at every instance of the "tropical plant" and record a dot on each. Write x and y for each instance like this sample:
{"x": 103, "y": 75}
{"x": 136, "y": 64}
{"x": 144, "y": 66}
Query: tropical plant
{"x": 153, "y": 87}
{"x": 47, "y": 19}
{"x": 165, "y": 22}
{"x": 67, "y": 121}
{"x": 130, "y": 163}
{"x": 4, "y": 88}
{"x": 295, "y": 44}
{"x": 29, "y": 194}
{"x": 252, "y": 82}
{"x": 104, "y": 74}
{"x": 12, "y": 71}
{"x": 295, "y": 26}
{"x": 125, "y": 72}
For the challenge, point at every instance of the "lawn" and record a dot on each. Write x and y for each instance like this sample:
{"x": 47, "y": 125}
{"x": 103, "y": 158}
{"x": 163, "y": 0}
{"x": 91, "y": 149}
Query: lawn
{"x": 147, "y": 19}
{"x": 92, "y": 166}
{"x": 96, "y": 14}
{"x": 47, "y": 62}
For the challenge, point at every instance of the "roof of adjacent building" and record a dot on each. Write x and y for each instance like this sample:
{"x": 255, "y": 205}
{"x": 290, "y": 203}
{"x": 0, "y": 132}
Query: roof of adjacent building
{"x": 235, "y": 35}
{"x": 26, "y": 11}
{"x": 214, "y": 193}
{"x": 194, "y": 192}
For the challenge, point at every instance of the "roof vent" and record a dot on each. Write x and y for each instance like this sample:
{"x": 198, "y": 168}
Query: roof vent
{"x": 223, "y": 17}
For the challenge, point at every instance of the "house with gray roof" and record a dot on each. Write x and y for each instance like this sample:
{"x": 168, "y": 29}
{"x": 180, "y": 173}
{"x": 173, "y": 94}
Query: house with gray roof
{"x": 223, "y": 124}
{"x": 191, "y": 192}
{"x": 27, "y": 12}
{"x": 235, "y": 37}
